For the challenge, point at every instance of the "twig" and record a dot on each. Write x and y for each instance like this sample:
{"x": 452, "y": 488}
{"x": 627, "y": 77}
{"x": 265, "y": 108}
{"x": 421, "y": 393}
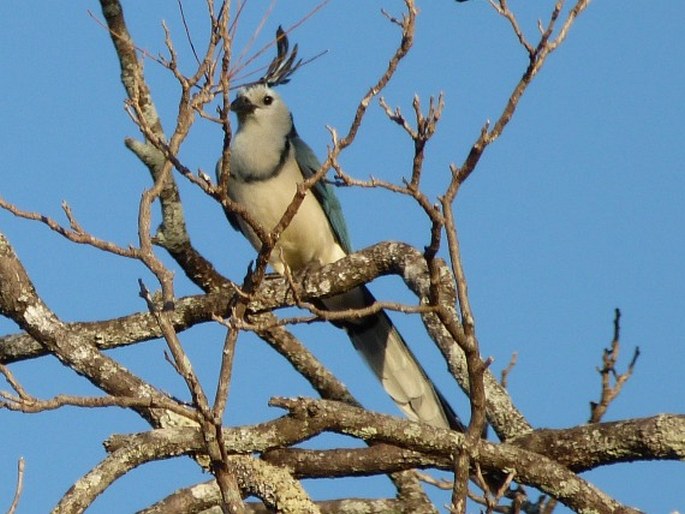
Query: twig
{"x": 408, "y": 26}
{"x": 609, "y": 358}
{"x": 469, "y": 343}
{"x": 322, "y": 315}
{"x": 75, "y": 234}
{"x": 19, "y": 488}
{"x": 27, "y": 403}
{"x": 210, "y": 425}
{"x": 187, "y": 30}
{"x": 230, "y": 340}
{"x": 536, "y": 59}
{"x": 505, "y": 372}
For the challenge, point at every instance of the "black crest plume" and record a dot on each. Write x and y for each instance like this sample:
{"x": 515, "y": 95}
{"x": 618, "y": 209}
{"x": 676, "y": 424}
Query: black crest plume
{"x": 283, "y": 65}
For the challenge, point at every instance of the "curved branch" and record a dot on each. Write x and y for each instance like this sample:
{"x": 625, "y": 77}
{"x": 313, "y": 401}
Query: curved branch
{"x": 539, "y": 458}
{"x": 200, "y": 498}
{"x": 275, "y": 486}
{"x": 117, "y": 464}
{"x": 529, "y": 468}
{"x": 408, "y": 26}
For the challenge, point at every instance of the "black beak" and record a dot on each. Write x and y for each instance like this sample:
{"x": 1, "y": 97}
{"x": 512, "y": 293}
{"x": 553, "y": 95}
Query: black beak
{"x": 242, "y": 105}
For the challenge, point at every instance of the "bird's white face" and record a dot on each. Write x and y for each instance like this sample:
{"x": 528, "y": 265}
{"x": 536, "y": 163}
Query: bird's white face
{"x": 264, "y": 124}
{"x": 262, "y": 105}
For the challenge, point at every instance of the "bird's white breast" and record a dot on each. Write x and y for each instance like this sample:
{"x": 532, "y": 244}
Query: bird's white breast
{"x": 308, "y": 239}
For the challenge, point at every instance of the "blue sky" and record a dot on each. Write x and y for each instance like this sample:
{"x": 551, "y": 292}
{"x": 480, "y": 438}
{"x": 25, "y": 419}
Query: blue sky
{"x": 576, "y": 210}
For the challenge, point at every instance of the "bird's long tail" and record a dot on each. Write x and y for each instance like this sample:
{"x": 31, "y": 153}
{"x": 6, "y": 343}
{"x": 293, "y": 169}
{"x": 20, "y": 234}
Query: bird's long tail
{"x": 391, "y": 360}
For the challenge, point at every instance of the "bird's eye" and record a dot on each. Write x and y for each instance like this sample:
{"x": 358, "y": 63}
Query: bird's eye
{"x": 268, "y": 100}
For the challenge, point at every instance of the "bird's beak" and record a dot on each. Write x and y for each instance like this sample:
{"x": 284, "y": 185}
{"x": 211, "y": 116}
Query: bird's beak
{"x": 242, "y": 105}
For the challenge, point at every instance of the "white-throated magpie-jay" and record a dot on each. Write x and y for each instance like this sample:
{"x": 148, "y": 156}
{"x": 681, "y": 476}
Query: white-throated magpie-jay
{"x": 268, "y": 160}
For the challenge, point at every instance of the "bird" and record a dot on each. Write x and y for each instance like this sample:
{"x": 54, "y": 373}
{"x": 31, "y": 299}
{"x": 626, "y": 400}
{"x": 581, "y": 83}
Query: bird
{"x": 268, "y": 160}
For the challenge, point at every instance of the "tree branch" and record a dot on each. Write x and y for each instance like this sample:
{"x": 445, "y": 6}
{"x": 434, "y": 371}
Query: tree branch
{"x": 273, "y": 485}
{"x": 528, "y": 467}
{"x": 347, "y": 273}
{"x": 20, "y": 302}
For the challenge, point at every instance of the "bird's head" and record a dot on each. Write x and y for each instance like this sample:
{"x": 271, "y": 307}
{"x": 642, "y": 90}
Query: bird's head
{"x": 261, "y": 105}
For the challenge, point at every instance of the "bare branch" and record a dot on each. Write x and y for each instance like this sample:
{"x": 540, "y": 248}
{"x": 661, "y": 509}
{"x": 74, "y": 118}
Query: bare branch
{"x": 407, "y": 24}
{"x": 154, "y": 153}
{"x": 588, "y": 446}
{"x": 273, "y": 485}
{"x": 75, "y": 234}
{"x": 126, "y": 330}
{"x": 608, "y": 370}
{"x": 258, "y": 460}
{"x": 536, "y": 60}
{"x": 202, "y": 497}
{"x": 24, "y": 402}
{"x": 187, "y": 31}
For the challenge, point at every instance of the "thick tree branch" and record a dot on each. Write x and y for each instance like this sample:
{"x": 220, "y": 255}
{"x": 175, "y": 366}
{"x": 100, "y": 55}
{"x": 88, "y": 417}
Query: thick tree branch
{"x": 353, "y": 270}
{"x": 273, "y": 485}
{"x": 378, "y": 459}
{"x": 126, "y": 330}
{"x": 578, "y": 448}
{"x": 201, "y": 497}
{"x": 422, "y": 445}
{"x": 528, "y": 467}
{"x": 597, "y": 444}
{"x": 20, "y": 302}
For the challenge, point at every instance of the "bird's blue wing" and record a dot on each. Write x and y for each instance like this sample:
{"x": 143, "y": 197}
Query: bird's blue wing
{"x": 323, "y": 192}
{"x": 231, "y": 216}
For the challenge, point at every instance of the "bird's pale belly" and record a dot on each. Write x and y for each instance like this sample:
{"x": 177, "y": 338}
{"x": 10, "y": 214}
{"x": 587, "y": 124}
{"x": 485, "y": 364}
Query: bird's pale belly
{"x": 307, "y": 240}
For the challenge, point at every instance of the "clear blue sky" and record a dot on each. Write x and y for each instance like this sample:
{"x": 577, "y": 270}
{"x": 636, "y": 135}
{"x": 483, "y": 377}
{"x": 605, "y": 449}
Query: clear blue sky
{"x": 576, "y": 210}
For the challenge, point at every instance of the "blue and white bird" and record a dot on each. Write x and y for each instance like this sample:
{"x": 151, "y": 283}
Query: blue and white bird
{"x": 268, "y": 160}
